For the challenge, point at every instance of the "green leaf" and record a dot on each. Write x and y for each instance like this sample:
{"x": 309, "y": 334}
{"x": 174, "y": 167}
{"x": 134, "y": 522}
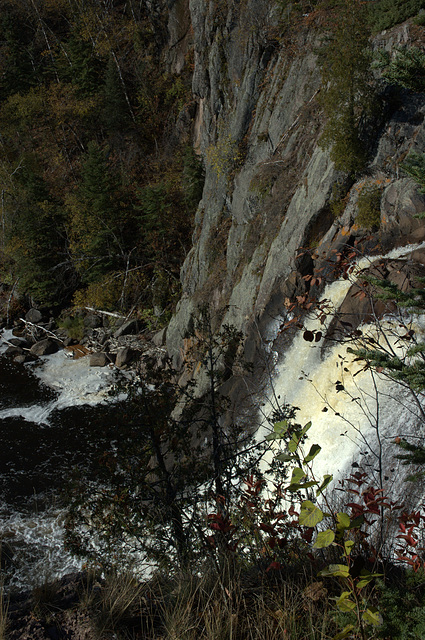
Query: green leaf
{"x": 310, "y": 514}
{"x": 281, "y": 427}
{"x": 344, "y": 603}
{"x": 294, "y": 442}
{"x": 285, "y": 457}
{"x": 366, "y": 577}
{"x": 271, "y": 436}
{"x": 357, "y": 522}
{"x": 348, "y": 545}
{"x": 302, "y": 485}
{"x": 344, "y": 633}
{"x": 372, "y": 616}
{"x": 305, "y": 428}
{"x": 335, "y": 571}
{"x": 296, "y": 437}
{"x": 314, "y": 450}
{"x": 297, "y": 475}
{"x": 327, "y": 479}
{"x": 324, "y": 539}
{"x": 343, "y": 520}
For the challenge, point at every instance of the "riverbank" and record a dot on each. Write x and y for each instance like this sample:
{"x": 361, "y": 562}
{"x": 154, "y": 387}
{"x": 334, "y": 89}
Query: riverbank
{"x": 107, "y": 339}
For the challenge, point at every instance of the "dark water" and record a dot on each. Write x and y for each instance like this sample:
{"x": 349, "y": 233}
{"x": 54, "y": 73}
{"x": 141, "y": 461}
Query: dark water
{"x": 36, "y": 461}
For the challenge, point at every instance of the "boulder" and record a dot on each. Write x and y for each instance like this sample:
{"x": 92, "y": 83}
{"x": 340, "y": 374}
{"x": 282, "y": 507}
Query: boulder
{"x": 92, "y": 321}
{"x": 44, "y": 347}
{"x": 99, "y": 359}
{"x": 130, "y": 327}
{"x": 124, "y": 356}
{"x": 13, "y": 351}
{"x": 23, "y": 358}
{"x": 20, "y": 342}
{"x": 34, "y": 315}
{"x": 160, "y": 337}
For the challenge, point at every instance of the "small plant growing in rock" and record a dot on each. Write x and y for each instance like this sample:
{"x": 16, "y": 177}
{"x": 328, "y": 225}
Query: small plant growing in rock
{"x": 74, "y": 326}
{"x": 369, "y": 207}
{"x": 223, "y": 155}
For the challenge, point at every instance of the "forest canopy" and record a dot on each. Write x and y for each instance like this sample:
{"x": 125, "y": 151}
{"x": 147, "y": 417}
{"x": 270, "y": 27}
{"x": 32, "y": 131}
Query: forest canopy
{"x": 86, "y": 112}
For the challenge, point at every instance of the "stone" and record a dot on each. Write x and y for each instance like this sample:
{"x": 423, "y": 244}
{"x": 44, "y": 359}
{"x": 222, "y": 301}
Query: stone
{"x": 128, "y": 328}
{"x": 99, "y": 359}
{"x": 13, "y": 351}
{"x": 124, "y": 356}
{"x": 18, "y": 342}
{"x": 92, "y": 321}
{"x": 34, "y": 315}
{"x": 44, "y": 347}
{"x": 160, "y": 337}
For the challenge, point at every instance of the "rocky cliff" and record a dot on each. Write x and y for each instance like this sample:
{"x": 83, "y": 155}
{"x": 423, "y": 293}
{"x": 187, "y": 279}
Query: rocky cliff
{"x": 269, "y": 187}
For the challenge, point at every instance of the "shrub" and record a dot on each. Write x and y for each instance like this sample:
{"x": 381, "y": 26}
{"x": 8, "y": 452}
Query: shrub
{"x": 344, "y": 64}
{"x": 387, "y": 13}
{"x": 406, "y": 69}
{"x": 369, "y": 207}
{"x": 414, "y": 166}
{"x": 74, "y": 326}
{"x": 402, "y": 603}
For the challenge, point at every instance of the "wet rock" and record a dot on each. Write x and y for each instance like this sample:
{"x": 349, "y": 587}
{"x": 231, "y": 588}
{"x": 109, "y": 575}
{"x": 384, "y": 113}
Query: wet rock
{"x": 21, "y": 358}
{"x": 20, "y": 342}
{"x": 13, "y": 351}
{"x": 44, "y": 347}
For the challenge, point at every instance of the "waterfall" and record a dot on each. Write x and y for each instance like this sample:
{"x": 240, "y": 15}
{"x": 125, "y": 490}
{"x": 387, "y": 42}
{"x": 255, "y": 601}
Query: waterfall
{"x": 356, "y": 414}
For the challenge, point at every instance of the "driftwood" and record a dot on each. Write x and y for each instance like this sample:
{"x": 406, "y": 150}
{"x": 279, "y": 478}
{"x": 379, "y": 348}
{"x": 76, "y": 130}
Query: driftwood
{"x": 105, "y": 313}
{"x": 40, "y": 328}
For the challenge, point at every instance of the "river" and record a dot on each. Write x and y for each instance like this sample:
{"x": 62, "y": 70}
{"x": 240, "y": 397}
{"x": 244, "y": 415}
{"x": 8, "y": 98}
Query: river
{"x": 54, "y": 415}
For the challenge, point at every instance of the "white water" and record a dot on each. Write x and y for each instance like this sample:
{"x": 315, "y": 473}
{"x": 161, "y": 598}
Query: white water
{"x": 35, "y": 533}
{"x": 346, "y": 429}
{"x": 38, "y": 550}
{"x": 75, "y": 382}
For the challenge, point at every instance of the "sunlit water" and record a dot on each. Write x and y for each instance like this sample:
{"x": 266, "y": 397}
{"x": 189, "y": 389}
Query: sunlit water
{"x": 359, "y": 422}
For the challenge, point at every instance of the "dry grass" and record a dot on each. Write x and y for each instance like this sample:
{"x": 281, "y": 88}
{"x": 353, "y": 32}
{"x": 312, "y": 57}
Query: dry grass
{"x": 195, "y": 608}
{"x": 116, "y": 602}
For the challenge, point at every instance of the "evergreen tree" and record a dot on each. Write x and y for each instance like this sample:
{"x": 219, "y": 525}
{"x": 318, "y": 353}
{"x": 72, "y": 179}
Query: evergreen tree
{"x": 94, "y": 224}
{"x": 37, "y": 241}
{"x": 115, "y": 113}
{"x": 344, "y": 62}
{"x": 384, "y": 14}
{"x": 80, "y": 66}
{"x": 18, "y": 71}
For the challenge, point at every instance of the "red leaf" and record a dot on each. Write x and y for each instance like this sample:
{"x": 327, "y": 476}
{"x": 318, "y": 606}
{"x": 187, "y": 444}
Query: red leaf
{"x": 274, "y": 565}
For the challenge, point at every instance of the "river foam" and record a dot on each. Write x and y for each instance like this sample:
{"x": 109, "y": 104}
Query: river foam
{"x": 74, "y": 382}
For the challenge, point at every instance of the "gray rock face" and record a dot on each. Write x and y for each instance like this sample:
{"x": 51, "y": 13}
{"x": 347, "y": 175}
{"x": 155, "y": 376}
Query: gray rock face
{"x": 44, "y": 347}
{"x": 124, "y": 356}
{"x": 92, "y": 321}
{"x": 268, "y": 184}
